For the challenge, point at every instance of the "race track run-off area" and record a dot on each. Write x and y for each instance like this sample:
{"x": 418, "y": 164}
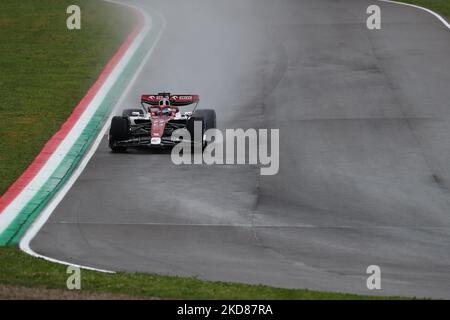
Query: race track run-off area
{"x": 364, "y": 179}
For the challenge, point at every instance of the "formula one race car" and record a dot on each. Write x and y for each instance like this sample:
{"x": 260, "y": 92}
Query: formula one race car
{"x": 154, "y": 123}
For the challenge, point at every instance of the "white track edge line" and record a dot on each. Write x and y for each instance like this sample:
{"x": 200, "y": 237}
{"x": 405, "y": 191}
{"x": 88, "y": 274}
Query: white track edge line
{"x": 45, "y": 214}
{"x": 437, "y": 15}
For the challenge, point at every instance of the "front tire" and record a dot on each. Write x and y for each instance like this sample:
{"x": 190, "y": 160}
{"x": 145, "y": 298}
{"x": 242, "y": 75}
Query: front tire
{"x": 209, "y": 117}
{"x": 118, "y": 132}
{"x": 191, "y": 129}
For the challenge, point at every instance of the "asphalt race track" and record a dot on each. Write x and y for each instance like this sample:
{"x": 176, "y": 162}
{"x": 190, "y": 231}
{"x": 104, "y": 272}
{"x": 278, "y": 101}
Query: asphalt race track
{"x": 364, "y": 119}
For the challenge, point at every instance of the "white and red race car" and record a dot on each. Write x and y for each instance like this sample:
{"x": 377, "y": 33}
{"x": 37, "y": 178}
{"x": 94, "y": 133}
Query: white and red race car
{"x": 153, "y": 124}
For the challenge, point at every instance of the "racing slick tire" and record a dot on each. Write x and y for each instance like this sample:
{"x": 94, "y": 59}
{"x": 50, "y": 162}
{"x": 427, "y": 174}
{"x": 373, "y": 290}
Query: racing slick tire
{"x": 190, "y": 128}
{"x": 118, "y": 132}
{"x": 209, "y": 117}
{"x": 128, "y": 112}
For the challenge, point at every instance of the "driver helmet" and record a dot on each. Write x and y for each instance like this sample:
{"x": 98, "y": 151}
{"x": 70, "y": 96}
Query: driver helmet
{"x": 164, "y": 102}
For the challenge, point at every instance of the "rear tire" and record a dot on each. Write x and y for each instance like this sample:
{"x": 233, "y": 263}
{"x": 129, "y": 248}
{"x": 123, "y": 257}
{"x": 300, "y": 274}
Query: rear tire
{"x": 118, "y": 132}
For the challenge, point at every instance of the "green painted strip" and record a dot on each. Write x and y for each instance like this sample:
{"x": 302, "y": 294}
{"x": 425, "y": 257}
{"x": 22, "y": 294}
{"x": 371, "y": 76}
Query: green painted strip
{"x": 59, "y": 177}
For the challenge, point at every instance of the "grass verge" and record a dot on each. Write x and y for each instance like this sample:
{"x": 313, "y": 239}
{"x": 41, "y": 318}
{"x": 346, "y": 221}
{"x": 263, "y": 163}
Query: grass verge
{"x": 440, "y": 6}
{"x": 45, "y": 70}
{"x": 19, "y": 269}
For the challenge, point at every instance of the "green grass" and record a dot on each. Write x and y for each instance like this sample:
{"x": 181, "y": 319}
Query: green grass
{"x": 440, "y": 6}
{"x": 45, "y": 70}
{"x": 17, "y": 268}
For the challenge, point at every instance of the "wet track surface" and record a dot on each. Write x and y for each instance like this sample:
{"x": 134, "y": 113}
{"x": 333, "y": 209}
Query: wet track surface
{"x": 364, "y": 154}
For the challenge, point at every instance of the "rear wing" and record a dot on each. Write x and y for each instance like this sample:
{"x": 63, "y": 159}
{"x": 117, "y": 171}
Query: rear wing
{"x": 175, "y": 100}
